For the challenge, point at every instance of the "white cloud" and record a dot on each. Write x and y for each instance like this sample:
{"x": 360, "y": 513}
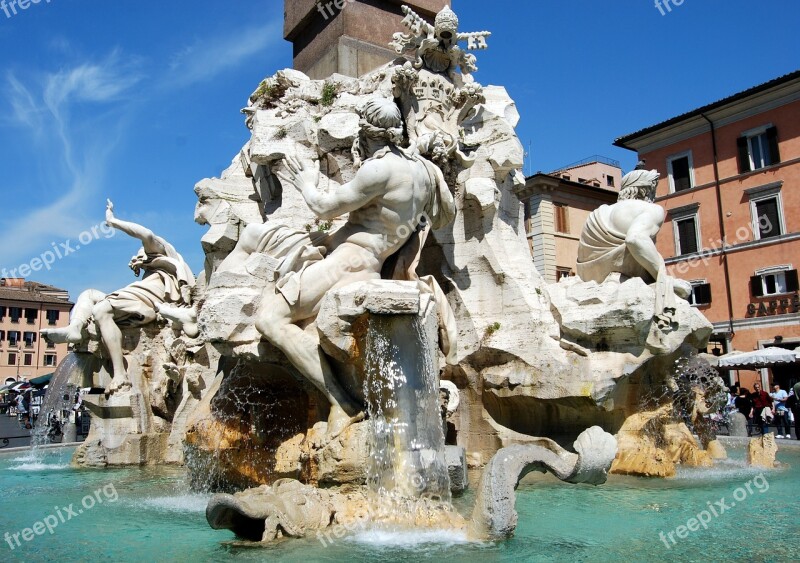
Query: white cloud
{"x": 206, "y": 59}
{"x": 43, "y": 108}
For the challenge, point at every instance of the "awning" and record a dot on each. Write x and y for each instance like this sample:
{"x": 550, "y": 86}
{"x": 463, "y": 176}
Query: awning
{"x": 41, "y": 380}
{"x": 756, "y": 359}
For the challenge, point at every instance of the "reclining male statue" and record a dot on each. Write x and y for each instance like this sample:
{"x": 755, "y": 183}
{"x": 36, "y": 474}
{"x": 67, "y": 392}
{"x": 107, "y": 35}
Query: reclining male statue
{"x": 621, "y": 238}
{"x": 394, "y": 194}
{"x": 166, "y": 286}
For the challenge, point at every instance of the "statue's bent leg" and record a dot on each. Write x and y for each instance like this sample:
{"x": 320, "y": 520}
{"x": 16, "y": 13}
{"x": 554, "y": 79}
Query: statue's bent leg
{"x": 74, "y": 332}
{"x": 104, "y": 317}
{"x": 302, "y": 349}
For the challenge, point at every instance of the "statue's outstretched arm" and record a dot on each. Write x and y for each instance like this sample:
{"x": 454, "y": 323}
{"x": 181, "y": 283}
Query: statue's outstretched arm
{"x": 370, "y": 180}
{"x": 148, "y": 237}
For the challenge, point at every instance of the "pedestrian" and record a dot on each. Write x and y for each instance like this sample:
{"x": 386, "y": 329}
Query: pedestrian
{"x": 779, "y": 397}
{"x": 745, "y": 406}
{"x": 794, "y": 404}
{"x": 761, "y": 400}
{"x": 22, "y": 411}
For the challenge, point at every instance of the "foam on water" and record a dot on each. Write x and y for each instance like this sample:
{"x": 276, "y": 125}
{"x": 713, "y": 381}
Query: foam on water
{"x": 409, "y": 538}
{"x": 177, "y": 503}
{"x": 722, "y": 471}
{"x": 38, "y": 466}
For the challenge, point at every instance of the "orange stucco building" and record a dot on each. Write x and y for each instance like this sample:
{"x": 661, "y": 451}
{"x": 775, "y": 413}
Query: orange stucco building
{"x": 26, "y": 307}
{"x": 557, "y": 206}
{"x": 730, "y": 182}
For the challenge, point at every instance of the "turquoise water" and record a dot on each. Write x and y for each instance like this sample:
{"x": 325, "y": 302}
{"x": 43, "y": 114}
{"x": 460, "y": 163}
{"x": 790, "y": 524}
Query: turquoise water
{"x": 148, "y": 515}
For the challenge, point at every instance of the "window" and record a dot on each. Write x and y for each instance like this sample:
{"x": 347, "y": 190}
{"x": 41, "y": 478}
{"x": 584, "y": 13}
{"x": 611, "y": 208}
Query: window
{"x": 701, "y": 293}
{"x": 28, "y": 360}
{"x": 561, "y": 217}
{"x": 31, "y": 315}
{"x": 51, "y": 345}
{"x": 686, "y": 236}
{"x": 15, "y": 313}
{"x": 50, "y": 360}
{"x": 2, "y": 312}
{"x": 52, "y": 316}
{"x": 29, "y": 338}
{"x": 767, "y": 217}
{"x": 12, "y": 359}
{"x": 681, "y": 174}
{"x": 774, "y": 282}
{"x": 562, "y": 273}
{"x": 758, "y": 149}
{"x": 610, "y": 181}
{"x": 13, "y": 337}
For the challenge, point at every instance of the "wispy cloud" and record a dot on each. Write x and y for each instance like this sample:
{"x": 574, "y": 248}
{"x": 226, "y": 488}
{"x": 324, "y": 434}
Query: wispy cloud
{"x": 45, "y": 109}
{"x": 206, "y": 59}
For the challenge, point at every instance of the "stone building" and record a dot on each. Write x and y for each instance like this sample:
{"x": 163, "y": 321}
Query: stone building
{"x": 557, "y": 206}
{"x": 730, "y": 181}
{"x": 26, "y": 307}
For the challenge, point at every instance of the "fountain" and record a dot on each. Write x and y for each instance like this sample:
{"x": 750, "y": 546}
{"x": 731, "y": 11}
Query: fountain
{"x": 369, "y": 326}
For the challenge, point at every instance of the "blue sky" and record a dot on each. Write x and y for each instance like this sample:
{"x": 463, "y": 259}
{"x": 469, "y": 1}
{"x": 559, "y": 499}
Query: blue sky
{"x": 139, "y": 100}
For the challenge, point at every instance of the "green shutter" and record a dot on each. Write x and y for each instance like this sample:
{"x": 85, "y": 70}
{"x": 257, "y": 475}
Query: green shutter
{"x": 774, "y": 150}
{"x": 744, "y": 155}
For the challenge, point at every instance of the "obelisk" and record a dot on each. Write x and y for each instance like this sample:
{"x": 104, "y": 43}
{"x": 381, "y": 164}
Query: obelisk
{"x": 349, "y": 37}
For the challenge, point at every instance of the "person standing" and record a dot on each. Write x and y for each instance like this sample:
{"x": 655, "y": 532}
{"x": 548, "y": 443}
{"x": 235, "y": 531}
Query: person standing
{"x": 761, "y": 400}
{"x": 794, "y": 403}
{"x": 779, "y": 397}
{"x": 745, "y": 406}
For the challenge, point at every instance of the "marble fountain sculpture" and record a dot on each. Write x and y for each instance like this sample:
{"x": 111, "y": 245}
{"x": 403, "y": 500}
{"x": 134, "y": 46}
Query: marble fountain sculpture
{"x": 369, "y": 323}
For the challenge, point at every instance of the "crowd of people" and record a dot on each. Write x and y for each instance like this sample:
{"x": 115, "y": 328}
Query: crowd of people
{"x": 779, "y": 408}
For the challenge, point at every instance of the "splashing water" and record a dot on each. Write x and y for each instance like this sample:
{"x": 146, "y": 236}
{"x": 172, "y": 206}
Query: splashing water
{"x": 57, "y": 403}
{"x": 407, "y": 472}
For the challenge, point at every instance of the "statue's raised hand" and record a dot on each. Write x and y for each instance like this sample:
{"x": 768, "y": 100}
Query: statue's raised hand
{"x": 300, "y": 174}
{"x": 109, "y": 211}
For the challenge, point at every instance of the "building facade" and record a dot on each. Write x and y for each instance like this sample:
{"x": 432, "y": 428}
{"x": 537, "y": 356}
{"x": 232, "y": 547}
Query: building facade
{"x": 557, "y": 206}
{"x": 25, "y": 308}
{"x": 730, "y": 182}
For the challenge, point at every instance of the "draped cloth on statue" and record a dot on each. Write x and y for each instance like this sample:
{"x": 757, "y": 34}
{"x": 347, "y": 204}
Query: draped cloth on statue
{"x": 294, "y": 250}
{"x": 167, "y": 279}
{"x": 602, "y": 250}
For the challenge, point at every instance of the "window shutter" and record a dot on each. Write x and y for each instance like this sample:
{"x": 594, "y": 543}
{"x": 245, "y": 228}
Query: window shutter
{"x": 681, "y": 174}
{"x": 757, "y": 286}
{"x": 769, "y": 224}
{"x": 774, "y": 151}
{"x": 702, "y": 294}
{"x": 791, "y": 281}
{"x": 687, "y": 235}
{"x": 744, "y": 155}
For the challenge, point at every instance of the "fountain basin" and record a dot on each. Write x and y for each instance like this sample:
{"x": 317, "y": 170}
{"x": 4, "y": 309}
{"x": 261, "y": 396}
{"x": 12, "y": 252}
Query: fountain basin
{"x": 156, "y": 518}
